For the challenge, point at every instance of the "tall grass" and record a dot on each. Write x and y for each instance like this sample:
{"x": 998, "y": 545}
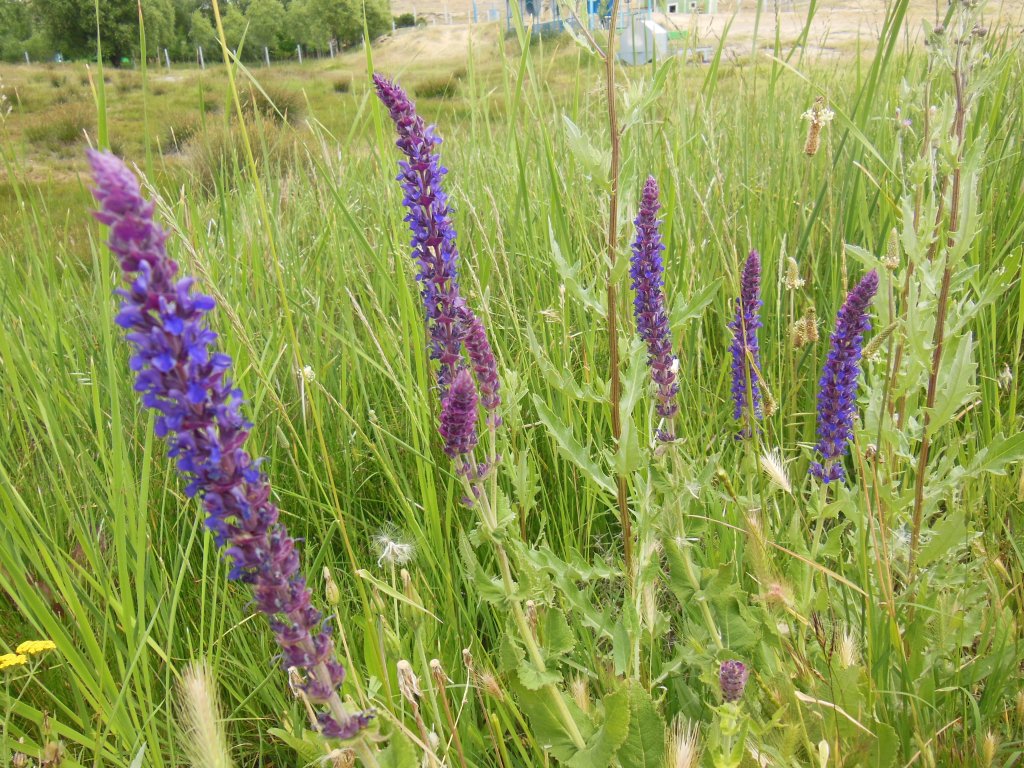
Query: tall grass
{"x": 306, "y": 254}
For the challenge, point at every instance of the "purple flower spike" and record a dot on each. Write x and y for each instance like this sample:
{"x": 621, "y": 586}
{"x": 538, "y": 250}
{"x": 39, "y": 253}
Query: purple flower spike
{"x": 732, "y": 677}
{"x": 182, "y": 376}
{"x": 485, "y": 366}
{"x": 647, "y": 272}
{"x": 746, "y": 356}
{"x": 433, "y": 235}
{"x": 458, "y": 416}
{"x": 837, "y": 389}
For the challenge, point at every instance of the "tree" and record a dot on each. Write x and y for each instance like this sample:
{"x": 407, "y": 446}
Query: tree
{"x": 201, "y": 32}
{"x": 233, "y": 21}
{"x": 71, "y": 25}
{"x": 266, "y": 20}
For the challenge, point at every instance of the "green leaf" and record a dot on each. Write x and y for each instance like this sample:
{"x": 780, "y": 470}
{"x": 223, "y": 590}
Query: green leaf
{"x": 547, "y": 727}
{"x": 558, "y": 638}
{"x": 533, "y": 679}
{"x": 595, "y": 161}
{"x": 947, "y": 534}
{"x": 683, "y": 311}
{"x": 956, "y": 383}
{"x": 644, "y": 747}
{"x": 601, "y": 748}
{"x": 621, "y": 647}
{"x": 399, "y": 753}
{"x": 569, "y": 273}
{"x": 569, "y": 447}
{"x": 997, "y": 455}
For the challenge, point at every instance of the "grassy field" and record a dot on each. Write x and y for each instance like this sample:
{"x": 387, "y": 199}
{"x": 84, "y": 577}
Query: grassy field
{"x": 870, "y": 643}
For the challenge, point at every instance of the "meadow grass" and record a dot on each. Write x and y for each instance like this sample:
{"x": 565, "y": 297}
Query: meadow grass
{"x": 101, "y": 552}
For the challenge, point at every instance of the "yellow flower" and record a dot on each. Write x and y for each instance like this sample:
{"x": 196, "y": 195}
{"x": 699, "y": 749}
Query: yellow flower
{"x": 32, "y": 647}
{"x": 12, "y": 660}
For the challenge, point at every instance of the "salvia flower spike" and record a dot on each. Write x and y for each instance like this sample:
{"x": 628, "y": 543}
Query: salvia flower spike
{"x": 181, "y": 375}
{"x": 746, "y": 355}
{"x": 837, "y": 389}
{"x": 433, "y": 234}
{"x": 458, "y": 416}
{"x": 647, "y": 272}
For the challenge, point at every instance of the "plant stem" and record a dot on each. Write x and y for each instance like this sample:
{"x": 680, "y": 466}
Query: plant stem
{"x": 613, "y": 322}
{"x": 940, "y": 321}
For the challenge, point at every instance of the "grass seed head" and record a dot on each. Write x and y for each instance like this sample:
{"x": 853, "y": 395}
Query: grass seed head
{"x": 199, "y": 720}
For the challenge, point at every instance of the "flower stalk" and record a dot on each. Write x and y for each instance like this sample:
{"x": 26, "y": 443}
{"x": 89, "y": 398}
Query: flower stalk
{"x": 186, "y": 380}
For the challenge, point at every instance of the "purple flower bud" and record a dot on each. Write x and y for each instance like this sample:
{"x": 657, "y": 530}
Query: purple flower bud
{"x": 732, "y": 677}
{"x": 458, "y": 416}
{"x": 186, "y": 381}
{"x": 837, "y": 389}
{"x": 433, "y": 234}
{"x": 746, "y": 356}
{"x": 647, "y": 272}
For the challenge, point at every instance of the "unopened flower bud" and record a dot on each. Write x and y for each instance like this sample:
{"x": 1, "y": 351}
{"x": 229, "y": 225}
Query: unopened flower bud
{"x": 408, "y": 683}
{"x": 331, "y": 591}
{"x": 732, "y": 678}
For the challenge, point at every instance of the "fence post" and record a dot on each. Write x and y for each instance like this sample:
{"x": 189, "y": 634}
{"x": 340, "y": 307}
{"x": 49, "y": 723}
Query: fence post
{"x": 27, "y": 61}
{"x": 298, "y": 48}
{"x": 167, "y": 58}
{"x": 266, "y": 55}
{"x": 202, "y": 61}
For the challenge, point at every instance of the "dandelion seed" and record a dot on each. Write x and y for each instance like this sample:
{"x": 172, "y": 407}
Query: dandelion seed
{"x": 408, "y": 683}
{"x": 1005, "y": 378}
{"x": 774, "y": 466}
{"x": 32, "y": 647}
{"x": 837, "y": 389}
{"x": 392, "y": 551}
{"x": 683, "y": 744}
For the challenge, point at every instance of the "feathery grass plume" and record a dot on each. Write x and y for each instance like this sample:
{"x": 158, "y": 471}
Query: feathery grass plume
{"x": 181, "y": 375}
{"x": 200, "y": 724}
{"x": 732, "y": 678}
{"x": 683, "y": 744}
{"x": 774, "y": 466}
{"x": 746, "y": 356}
{"x": 837, "y": 389}
{"x": 433, "y": 234}
{"x": 647, "y": 271}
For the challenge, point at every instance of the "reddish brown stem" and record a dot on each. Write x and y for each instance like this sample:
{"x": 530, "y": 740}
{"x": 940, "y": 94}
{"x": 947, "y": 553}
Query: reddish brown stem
{"x": 613, "y": 324}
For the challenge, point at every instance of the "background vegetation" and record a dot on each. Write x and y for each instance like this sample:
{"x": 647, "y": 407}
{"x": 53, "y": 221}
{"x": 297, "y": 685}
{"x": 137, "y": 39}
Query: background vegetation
{"x": 101, "y": 552}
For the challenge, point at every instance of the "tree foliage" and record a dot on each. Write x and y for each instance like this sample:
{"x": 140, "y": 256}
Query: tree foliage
{"x": 48, "y": 27}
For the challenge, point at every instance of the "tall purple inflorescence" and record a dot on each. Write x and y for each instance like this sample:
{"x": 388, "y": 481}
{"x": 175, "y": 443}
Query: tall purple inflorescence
{"x": 746, "y": 356}
{"x": 433, "y": 235}
{"x": 184, "y": 379}
{"x": 837, "y": 389}
{"x": 647, "y": 272}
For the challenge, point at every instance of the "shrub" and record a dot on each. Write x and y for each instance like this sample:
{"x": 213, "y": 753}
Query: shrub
{"x": 405, "y": 20}
{"x": 273, "y": 103}
{"x": 440, "y": 87}
{"x": 343, "y": 84}
{"x": 61, "y": 126}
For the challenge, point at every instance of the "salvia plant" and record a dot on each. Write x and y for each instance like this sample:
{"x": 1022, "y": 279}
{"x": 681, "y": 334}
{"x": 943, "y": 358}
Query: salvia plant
{"x": 773, "y": 586}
